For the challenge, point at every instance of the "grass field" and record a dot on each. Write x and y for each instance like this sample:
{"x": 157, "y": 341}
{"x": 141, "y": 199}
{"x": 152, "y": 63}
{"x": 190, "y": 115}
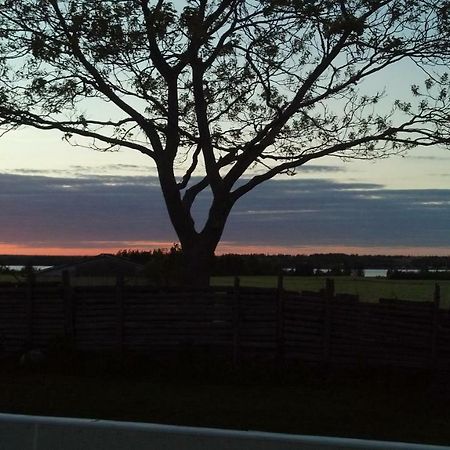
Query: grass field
{"x": 368, "y": 289}
{"x": 8, "y": 278}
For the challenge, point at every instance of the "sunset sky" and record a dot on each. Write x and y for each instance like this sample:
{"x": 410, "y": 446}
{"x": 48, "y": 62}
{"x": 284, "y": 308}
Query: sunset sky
{"x": 60, "y": 199}
{"x": 57, "y": 199}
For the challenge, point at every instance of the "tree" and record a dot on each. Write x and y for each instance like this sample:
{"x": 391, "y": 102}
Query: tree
{"x": 235, "y": 91}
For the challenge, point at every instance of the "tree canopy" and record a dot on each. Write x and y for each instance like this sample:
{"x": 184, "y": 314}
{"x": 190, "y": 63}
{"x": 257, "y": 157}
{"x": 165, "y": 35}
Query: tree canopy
{"x": 231, "y": 92}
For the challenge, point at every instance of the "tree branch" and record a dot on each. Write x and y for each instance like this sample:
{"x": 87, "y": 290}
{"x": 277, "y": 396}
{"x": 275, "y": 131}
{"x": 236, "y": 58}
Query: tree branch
{"x": 73, "y": 42}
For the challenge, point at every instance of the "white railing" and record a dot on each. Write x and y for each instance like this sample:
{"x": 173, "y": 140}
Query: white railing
{"x": 19, "y": 432}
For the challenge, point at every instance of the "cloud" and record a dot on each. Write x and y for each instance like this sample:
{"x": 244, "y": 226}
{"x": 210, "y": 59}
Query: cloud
{"x": 67, "y": 209}
{"x": 317, "y": 168}
{"x": 430, "y": 158}
{"x": 329, "y": 213}
{"x": 43, "y": 211}
{"x": 80, "y": 171}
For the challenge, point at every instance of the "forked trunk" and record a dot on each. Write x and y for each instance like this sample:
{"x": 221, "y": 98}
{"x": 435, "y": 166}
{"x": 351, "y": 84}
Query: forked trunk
{"x": 198, "y": 247}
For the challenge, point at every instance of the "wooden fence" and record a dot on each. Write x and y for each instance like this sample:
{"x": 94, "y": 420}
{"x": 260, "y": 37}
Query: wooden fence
{"x": 238, "y": 323}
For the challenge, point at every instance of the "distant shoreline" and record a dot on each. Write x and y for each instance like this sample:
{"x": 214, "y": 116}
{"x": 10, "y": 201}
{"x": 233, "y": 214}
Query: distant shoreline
{"x": 322, "y": 260}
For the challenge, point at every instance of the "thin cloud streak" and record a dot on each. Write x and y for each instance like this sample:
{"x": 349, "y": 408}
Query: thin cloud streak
{"x": 79, "y": 171}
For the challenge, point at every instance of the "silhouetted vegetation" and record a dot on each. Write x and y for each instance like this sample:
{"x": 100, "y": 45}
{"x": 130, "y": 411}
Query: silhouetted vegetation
{"x": 163, "y": 265}
{"x": 332, "y": 264}
{"x": 423, "y": 274}
{"x": 38, "y": 260}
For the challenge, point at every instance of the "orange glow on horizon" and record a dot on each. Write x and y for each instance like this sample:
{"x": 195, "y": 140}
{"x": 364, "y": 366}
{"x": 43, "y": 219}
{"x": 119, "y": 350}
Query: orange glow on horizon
{"x": 51, "y": 251}
{"x": 100, "y": 247}
{"x": 311, "y": 249}
{"x": 223, "y": 248}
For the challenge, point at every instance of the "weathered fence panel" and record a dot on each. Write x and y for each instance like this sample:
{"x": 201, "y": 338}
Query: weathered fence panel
{"x": 237, "y": 323}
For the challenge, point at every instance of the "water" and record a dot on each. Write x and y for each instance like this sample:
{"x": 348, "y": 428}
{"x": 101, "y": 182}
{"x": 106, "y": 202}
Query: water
{"x": 19, "y": 268}
{"x": 375, "y": 273}
{"x": 382, "y": 273}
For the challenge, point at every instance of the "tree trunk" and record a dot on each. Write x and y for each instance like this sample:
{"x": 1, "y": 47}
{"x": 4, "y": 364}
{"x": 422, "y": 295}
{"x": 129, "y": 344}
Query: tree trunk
{"x": 197, "y": 262}
{"x": 198, "y": 248}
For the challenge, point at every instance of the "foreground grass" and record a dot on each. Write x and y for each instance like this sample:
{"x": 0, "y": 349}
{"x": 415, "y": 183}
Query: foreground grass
{"x": 368, "y": 289}
{"x": 404, "y": 407}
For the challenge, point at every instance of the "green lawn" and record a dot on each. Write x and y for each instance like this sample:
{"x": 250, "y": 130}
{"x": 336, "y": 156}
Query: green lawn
{"x": 368, "y": 289}
{"x": 9, "y": 278}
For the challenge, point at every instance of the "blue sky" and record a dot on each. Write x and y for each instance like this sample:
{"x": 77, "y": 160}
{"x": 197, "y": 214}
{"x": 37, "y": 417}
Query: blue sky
{"x": 56, "y": 198}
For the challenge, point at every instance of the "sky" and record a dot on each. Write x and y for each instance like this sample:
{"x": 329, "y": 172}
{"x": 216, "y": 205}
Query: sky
{"x": 58, "y": 199}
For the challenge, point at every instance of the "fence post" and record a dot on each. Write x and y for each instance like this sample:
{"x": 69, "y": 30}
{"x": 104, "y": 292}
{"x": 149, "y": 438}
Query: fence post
{"x": 30, "y": 308}
{"x": 120, "y": 312}
{"x": 280, "y": 320}
{"x": 236, "y": 322}
{"x": 329, "y": 293}
{"x": 435, "y": 325}
{"x": 69, "y": 325}
{"x": 360, "y": 325}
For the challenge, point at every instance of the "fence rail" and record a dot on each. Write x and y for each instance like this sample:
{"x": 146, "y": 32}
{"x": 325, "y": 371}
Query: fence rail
{"x": 238, "y": 323}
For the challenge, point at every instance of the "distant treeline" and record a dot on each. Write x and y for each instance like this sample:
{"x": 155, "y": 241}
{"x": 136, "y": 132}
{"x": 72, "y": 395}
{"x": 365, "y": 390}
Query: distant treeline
{"x": 420, "y": 275}
{"x": 38, "y": 260}
{"x": 307, "y": 265}
{"x": 167, "y": 261}
{"x": 331, "y": 264}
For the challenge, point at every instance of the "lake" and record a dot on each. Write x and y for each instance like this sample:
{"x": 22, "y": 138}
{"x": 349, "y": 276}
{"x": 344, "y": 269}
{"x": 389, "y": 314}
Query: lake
{"x": 374, "y": 273}
{"x": 19, "y": 268}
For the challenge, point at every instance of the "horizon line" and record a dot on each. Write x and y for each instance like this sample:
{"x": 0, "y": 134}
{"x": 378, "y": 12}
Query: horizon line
{"x": 228, "y": 248}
